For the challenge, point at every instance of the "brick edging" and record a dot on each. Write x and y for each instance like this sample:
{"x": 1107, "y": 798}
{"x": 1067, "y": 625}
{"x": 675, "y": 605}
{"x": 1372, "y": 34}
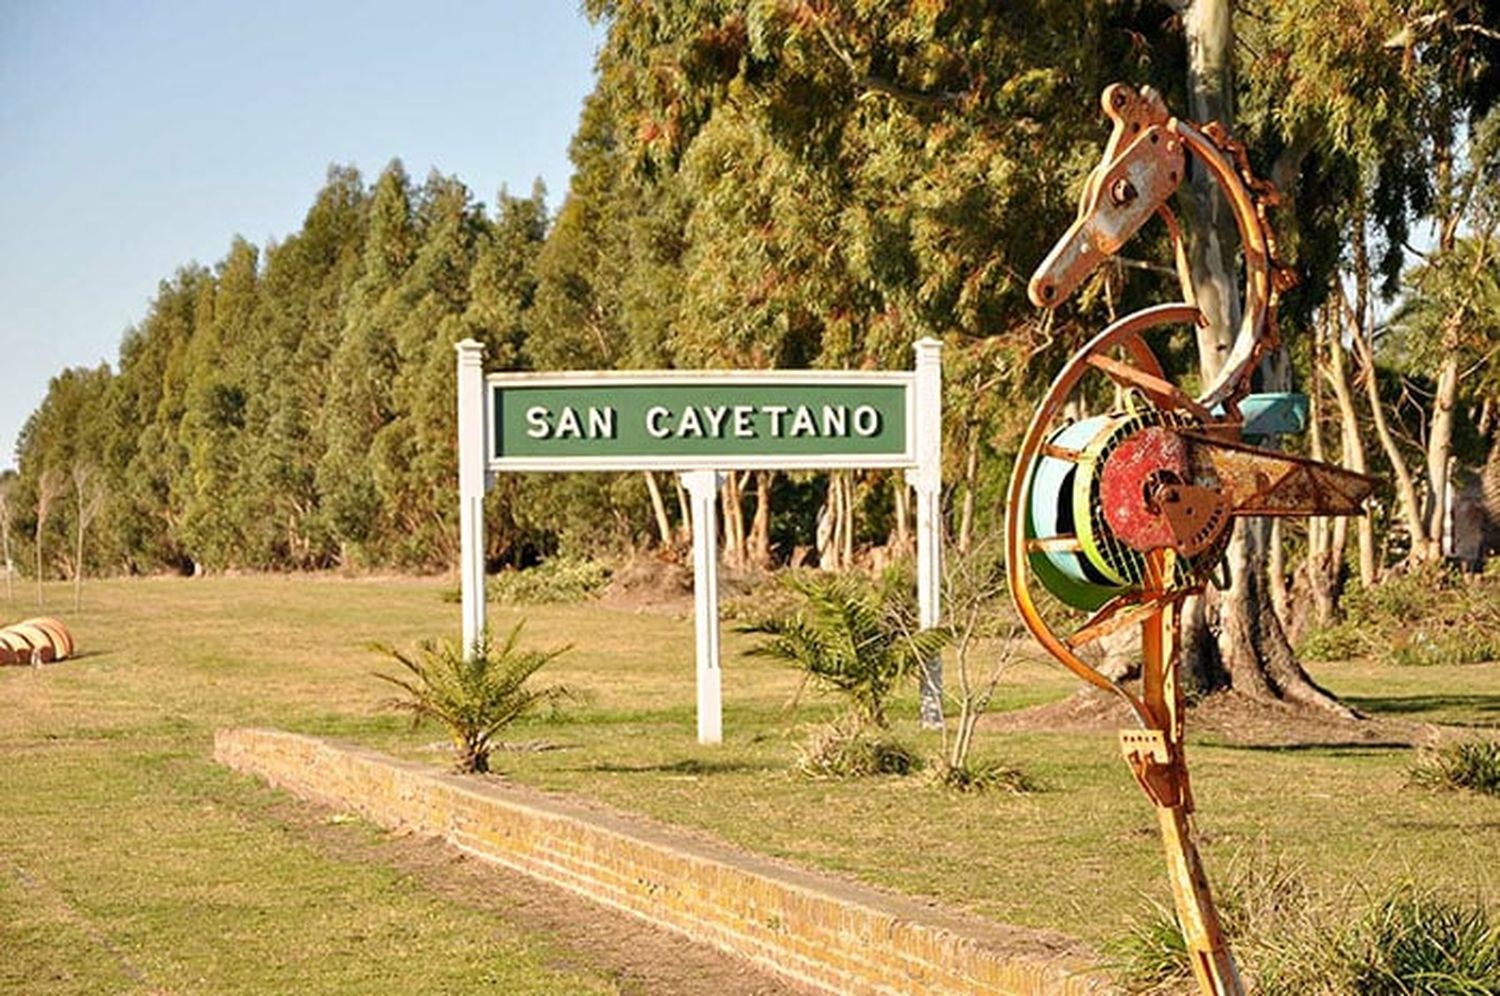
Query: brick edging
{"x": 822, "y": 933}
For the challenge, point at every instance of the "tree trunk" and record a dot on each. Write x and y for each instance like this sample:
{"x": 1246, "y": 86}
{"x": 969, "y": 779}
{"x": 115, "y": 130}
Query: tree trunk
{"x": 1208, "y": 25}
{"x": 971, "y": 483}
{"x": 835, "y": 532}
{"x": 1440, "y": 450}
{"x": 78, "y": 561}
{"x": 1354, "y": 456}
{"x": 760, "y": 525}
{"x": 828, "y": 518}
{"x": 734, "y": 520}
{"x": 10, "y": 594}
{"x": 1254, "y": 656}
{"x": 684, "y": 513}
{"x": 48, "y": 486}
{"x": 1320, "y": 579}
{"x": 1406, "y": 489}
{"x": 659, "y": 509}
{"x": 1281, "y": 600}
{"x": 1489, "y": 481}
{"x": 901, "y": 515}
{"x": 847, "y": 531}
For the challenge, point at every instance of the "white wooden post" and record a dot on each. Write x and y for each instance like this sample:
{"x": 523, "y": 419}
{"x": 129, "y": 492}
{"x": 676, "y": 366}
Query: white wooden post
{"x": 471, "y": 467}
{"x": 703, "y": 494}
{"x": 927, "y": 480}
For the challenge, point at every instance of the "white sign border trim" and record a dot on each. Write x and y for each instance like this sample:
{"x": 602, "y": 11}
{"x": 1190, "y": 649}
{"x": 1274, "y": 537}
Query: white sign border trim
{"x": 907, "y": 458}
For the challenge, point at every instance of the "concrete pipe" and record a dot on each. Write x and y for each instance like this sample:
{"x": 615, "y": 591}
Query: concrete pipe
{"x": 41, "y": 640}
{"x": 62, "y": 640}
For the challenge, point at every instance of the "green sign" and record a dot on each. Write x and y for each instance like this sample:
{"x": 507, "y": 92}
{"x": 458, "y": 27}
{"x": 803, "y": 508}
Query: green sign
{"x": 784, "y": 420}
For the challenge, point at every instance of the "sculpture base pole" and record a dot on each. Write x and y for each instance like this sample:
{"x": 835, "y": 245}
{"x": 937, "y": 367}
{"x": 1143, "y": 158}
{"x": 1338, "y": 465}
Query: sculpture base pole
{"x": 1156, "y": 758}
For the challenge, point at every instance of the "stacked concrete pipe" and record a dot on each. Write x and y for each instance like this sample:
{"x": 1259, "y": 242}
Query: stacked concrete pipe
{"x": 35, "y": 641}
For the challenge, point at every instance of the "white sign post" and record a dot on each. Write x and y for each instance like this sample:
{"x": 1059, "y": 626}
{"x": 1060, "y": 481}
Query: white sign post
{"x": 926, "y": 478}
{"x": 703, "y": 423}
{"x": 471, "y": 488}
{"x": 703, "y": 494}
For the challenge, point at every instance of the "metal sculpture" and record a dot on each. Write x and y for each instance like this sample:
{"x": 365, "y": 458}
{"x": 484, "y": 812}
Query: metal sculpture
{"x": 35, "y": 641}
{"x": 1121, "y": 516}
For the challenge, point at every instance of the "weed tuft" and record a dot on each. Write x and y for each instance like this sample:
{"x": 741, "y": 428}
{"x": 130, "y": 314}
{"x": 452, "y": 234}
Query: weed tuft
{"x": 1293, "y": 940}
{"x": 848, "y": 750}
{"x": 1467, "y": 764}
{"x": 984, "y": 776}
{"x": 1151, "y": 956}
{"x": 1414, "y": 941}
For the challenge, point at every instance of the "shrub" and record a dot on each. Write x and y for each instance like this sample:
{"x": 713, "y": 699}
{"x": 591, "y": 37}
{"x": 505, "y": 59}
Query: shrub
{"x": 1423, "y": 617}
{"x": 1151, "y": 956}
{"x": 851, "y": 635}
{"x": 476, "y": 695}
{"x": 984, "y": 776}
{"x": 1339, "y": 642}
{"x": 558, "y": 579}
{"x": 1468, "y": 764}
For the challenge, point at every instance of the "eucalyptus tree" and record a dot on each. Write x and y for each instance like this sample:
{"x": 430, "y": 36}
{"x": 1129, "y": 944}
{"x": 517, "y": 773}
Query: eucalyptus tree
{"x": 362, "y": 371}
{"x": 1392, "y": 94}
{"x": 213, "y": 421}
{"x": 305, "y": 280}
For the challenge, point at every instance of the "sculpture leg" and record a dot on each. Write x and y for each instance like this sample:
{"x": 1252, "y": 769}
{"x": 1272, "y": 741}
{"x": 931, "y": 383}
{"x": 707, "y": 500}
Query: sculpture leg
{"x": 1157, "y": 759}
{"x": 1213, "y": 964}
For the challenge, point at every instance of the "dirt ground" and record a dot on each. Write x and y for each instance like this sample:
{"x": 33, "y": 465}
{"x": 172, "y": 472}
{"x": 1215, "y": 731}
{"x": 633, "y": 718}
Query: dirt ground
{"x": 641, "y": 959}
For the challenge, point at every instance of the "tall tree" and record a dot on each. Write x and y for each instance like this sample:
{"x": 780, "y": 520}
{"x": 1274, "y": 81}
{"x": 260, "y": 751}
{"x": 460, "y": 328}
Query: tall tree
{"x": 363, "y": 370}
{"x": 88, "y": 500}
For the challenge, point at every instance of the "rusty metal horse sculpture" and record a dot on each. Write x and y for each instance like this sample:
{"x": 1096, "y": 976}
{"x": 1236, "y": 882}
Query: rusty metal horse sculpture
{"x": 1124, "y": 515}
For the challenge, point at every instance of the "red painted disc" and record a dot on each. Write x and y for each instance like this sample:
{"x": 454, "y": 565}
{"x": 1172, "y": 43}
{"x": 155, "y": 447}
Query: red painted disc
{"x": 1152, "y": 456}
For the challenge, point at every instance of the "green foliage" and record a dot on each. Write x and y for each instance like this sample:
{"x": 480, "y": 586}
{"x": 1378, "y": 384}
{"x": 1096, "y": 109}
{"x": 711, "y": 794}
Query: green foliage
{"x": 474, "y": 695}
{"x": 556, "y": 579}
{"x": 1467, "y": 764}
{"x": 773, "y": 184}
{"x": 852, "y": 635}
{"x": 1422, "y": 617}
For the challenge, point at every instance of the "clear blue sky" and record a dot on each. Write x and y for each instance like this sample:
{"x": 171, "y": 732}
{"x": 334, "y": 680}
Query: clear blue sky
{"x": 136, "y": 137}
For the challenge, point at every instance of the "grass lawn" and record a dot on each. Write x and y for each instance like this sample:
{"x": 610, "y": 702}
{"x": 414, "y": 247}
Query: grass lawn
{"x": 129, "y": 862}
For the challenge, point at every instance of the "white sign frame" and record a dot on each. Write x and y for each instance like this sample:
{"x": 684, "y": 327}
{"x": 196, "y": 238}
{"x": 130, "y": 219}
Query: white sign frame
{"x": 706, "y": 378}
{"x": 703, "y": 475}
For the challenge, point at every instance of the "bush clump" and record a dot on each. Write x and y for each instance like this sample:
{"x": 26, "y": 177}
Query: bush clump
{"x": 1427, "y": 616}
{"x": 984, "y": 776}
{"x": 851, "y": 635}
{"x": 860, "y": 639}
{"x": 557, "y": 579}
{"x": 1416, "y": 942}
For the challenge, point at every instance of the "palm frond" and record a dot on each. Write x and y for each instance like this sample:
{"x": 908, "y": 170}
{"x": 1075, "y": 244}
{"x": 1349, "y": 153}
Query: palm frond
{"x": 474, "y": 694}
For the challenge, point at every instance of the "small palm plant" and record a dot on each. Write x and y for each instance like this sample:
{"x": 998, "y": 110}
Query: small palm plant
{"x": 851, "y": 635}
{"x": 475, "y": 695}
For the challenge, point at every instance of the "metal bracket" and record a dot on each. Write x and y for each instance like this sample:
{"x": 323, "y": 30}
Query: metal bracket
{"x": 1151, "y": 761}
